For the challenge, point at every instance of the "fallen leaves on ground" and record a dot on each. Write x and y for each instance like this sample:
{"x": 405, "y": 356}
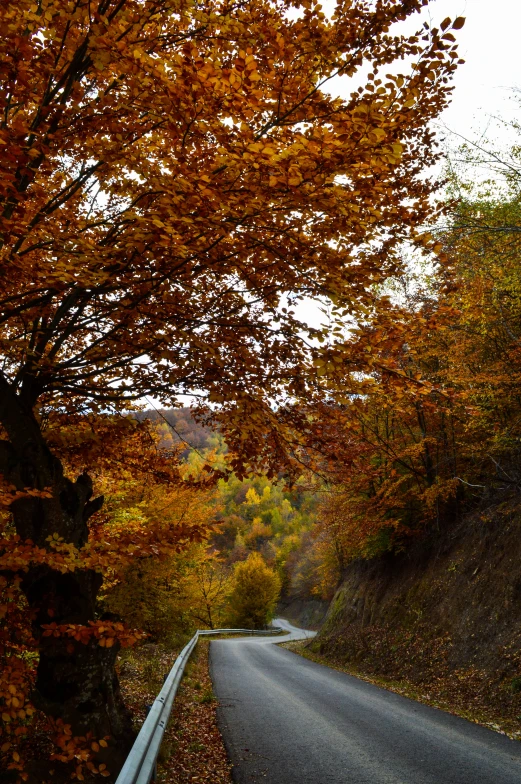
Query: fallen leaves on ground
{"x": 454, "y": 692}
{"x": 192, "y": 749}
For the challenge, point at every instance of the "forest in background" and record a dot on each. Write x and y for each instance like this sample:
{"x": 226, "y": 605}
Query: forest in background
{"x": 254, "y": 515}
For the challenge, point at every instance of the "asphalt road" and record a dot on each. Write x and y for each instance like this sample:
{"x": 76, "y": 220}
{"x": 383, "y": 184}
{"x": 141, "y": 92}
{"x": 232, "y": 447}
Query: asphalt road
{"x": 286, "y": 720}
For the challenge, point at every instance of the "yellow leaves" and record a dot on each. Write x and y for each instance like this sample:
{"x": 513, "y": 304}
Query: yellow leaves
{"x": 252, "y": 497}
{"x": 377, "y": 134}
{"x": 101, "y": 59}
{"x": 255, "y": 591}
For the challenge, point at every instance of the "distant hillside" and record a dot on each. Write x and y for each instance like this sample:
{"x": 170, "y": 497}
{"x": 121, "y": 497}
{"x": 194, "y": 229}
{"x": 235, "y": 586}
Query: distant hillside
{"x": 176, "y": 426}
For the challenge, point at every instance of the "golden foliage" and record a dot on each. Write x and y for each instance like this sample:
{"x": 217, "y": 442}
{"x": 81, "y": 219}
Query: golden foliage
{"x": 254, "y": 594}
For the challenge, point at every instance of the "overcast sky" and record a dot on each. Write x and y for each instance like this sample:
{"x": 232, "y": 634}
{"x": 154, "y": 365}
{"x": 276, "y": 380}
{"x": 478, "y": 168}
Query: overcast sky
{"x": 491, "y": 46}
{"x": 489, "y": 43}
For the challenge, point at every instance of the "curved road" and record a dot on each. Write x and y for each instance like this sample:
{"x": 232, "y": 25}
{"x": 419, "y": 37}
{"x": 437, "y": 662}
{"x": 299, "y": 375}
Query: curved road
{"x": 287, "y": 720}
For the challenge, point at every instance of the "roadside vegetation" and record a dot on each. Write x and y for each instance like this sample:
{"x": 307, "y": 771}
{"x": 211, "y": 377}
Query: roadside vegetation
{"x": 192, "y": 749}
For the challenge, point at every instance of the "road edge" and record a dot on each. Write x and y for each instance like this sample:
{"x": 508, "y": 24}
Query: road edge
{"x": 489, "y": 720}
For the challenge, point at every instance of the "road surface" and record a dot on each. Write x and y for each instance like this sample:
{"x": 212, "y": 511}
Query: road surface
{"x": 287, "y": 720}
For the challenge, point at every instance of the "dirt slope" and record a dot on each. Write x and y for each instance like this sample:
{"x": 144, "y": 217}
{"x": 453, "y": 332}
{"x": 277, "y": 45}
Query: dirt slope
{"x": 445, "y": 615}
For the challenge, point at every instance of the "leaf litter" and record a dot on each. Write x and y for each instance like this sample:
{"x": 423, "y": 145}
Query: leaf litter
{"x": 192, "y": 748}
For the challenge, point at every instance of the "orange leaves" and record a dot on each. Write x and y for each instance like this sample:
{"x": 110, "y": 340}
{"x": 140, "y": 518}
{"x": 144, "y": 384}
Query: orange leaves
{"x": 105, "y": 632}
{"x": 16, "y": 710}
{"x": 9, "y": 494}
{"x": 248, "y": 150}
{"x": 15, "y": 699}
{"x": 79, "y": 750}
{"x": 113, "y": 546}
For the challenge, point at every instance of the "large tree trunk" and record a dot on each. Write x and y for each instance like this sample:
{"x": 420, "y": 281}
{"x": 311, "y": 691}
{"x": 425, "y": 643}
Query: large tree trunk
{"x": 75, "y": 682}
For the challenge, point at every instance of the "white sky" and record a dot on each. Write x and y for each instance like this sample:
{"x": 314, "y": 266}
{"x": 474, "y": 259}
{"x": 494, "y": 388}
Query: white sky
{"x": 490, "y": 44}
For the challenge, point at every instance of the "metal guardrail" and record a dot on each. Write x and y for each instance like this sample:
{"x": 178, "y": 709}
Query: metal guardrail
{"x": 140, "y": 765}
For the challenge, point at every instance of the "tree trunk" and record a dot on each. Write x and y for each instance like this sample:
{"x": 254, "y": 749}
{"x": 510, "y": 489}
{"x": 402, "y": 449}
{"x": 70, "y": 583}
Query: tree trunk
{"x": 75, "y": 682}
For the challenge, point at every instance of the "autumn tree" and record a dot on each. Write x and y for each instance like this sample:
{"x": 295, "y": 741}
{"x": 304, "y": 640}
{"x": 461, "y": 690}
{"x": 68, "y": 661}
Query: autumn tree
{"x": 254, "y": 594}
{"x": 482, "y": 253}
{"x": 206, "y": 586}
{"x": 433, "y": 426}
{"x": 151, "y": 515}
{"x": 151, "y": 589}
{"x": 173, "y": 178}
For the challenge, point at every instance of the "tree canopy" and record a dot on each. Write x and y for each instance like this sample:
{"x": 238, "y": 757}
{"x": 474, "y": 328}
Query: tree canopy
{"x": 174, "y": 177}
